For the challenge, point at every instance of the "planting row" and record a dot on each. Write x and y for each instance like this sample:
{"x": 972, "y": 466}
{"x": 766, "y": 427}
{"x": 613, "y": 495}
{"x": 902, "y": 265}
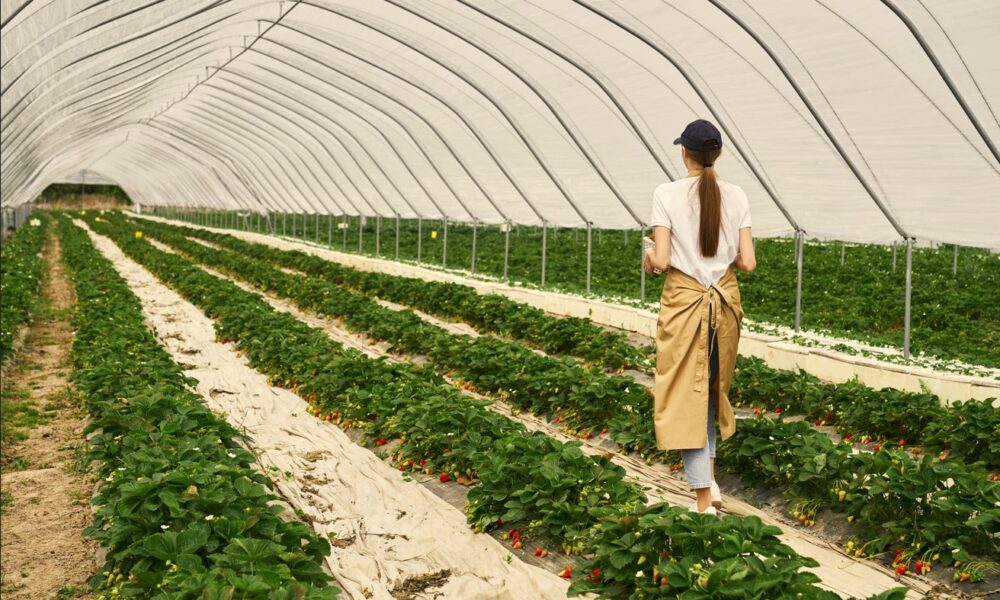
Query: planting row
{"x": 21, "y": 266}
{"x": 630, "y": 424}
{"x": 181, "y": 512}
{"x": 491, "y": 313}
{"x": 966, "y": 430}
{"x": 953, "y": 315}
{"x": 528, "y": 481}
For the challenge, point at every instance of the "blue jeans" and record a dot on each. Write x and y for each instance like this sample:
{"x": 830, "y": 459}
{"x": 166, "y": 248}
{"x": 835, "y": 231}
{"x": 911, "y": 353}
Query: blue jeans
{"x": 697, "y": 468}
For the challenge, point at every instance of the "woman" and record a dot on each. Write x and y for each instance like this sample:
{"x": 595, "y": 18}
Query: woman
{"x": 701, "y": 227}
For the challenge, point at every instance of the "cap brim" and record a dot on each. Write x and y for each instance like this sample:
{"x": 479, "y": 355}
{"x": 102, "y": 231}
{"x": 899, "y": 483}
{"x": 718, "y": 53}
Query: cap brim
{"x": 677, "y": 141}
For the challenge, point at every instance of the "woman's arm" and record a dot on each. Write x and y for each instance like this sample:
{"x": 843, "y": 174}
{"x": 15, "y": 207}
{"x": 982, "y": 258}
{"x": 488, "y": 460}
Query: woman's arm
{"x": 659, "y": 260}
{"x": 746, "y": 259}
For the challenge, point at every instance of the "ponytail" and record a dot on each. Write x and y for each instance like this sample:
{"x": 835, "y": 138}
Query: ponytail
{"x": 710, "y": 200}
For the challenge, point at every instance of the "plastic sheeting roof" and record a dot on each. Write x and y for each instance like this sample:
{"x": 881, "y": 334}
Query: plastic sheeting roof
{"x": 861, "y": 121}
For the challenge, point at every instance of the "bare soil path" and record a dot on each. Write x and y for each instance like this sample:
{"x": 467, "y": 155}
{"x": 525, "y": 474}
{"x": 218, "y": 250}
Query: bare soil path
{"x": 45, "y": 485}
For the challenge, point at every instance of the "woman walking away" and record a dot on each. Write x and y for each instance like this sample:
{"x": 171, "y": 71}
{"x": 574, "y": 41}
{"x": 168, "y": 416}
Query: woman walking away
{"x": 701, "y": 230}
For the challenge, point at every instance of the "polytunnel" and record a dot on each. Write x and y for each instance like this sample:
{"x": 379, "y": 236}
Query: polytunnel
{"x": 370, "y": 299}
{"x": 863, "y": 121}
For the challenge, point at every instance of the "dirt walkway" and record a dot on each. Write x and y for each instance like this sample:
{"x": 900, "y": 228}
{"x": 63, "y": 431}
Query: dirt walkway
{"x": 46, "y": 500}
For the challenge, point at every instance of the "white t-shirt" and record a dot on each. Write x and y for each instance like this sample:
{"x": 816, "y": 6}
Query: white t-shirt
{"x": 676, "y": 206}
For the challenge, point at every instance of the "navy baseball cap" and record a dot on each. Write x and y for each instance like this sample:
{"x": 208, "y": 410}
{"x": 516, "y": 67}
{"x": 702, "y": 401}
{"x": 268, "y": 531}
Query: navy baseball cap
{"x": 700, "y": 136}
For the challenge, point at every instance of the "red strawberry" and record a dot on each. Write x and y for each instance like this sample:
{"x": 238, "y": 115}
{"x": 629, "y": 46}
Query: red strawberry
{"x": 596, "y": 573}
{"x": 918, "y": 566}
{"x": 819, "y": 422}
{"x": 777, "y": 410}
{"x": 538, "y": 551}
{"x": 877, "y": 448}
{"x": 443, "y": 478}
{"x": 423, "y": 461}
{"x": 848, "y": 435}
{"x": 566, "y": 573}
{"x": 380, "y": 442}
{"x": 915, "y": 450}
{"x": 900, "y": 570}
{"x": 517, "y": 544}
{"x": 902, "y": 443}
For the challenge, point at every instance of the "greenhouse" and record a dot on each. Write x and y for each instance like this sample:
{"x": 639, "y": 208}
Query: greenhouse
{"x": 404, "y": 299}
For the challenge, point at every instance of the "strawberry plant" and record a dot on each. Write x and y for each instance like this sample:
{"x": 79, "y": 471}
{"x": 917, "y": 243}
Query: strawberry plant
{"x": 21, "y": 268}
{"x": 181, "y": 511}
{"x": 664, "y": 551}
{"x": 451, "y": 301}
{"x": 555, "y": 480}
{"x": 953, "y": 316}
{"x": 966, "y": 430}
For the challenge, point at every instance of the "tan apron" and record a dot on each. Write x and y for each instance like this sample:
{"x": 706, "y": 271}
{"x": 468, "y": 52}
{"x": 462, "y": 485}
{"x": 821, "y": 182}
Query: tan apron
{"x": 680, "y": 390}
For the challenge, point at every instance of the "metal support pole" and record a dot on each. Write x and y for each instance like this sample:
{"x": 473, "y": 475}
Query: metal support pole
{"x": 329, "y": 230}
{"x": 284, "y": 222}
{"x": 590, "y": 249}
{"x": 545, "y": 249}
{"x": 909, "y": 293}
{"x": 378, "y": 235}
{"x": 361, "y": 232}
{"x": 506, "y": 253}
{"x": 420, "y": 236}
{"x": 843, "y": 251}
{"x": 444, "y": 246}
{"x": 642, "y": 271}
{"x": 317, "y": 228}
{"x": 894, "y": 256}
{"x": 798, "y": 280}
{"x": 343, "y": 244}
{"x": 475, "y": 224}
{"x": 954, "y": 266}
{"x": 397, "y": 236}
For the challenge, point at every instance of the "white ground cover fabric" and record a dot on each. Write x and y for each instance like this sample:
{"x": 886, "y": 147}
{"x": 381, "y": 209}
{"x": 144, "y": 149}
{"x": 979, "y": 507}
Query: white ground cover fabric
{"x": 400, "y": 529}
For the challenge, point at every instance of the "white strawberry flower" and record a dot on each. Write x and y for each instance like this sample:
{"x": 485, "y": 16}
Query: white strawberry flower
{"x": 164, "y": 527}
